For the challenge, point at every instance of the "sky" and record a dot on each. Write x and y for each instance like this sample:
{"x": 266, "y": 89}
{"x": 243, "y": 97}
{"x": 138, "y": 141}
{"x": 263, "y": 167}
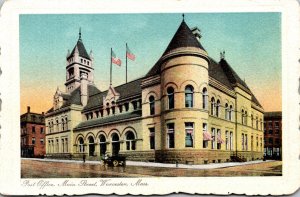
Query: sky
{"x": 251, "y": 41}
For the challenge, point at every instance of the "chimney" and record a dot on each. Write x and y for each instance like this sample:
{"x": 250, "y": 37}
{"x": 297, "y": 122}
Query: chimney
{"x": 28, "y": 109}
{"x": 83, "y": 88}
{"x": 197, "y": 33}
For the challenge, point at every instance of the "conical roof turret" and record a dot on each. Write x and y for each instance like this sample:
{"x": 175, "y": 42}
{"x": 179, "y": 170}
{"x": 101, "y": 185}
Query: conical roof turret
{"x": 183, "y": 37}
{"x": 81, "y": 49}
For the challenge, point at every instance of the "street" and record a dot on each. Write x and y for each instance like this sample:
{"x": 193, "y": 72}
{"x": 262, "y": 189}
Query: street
{"x": 51, "y": 169}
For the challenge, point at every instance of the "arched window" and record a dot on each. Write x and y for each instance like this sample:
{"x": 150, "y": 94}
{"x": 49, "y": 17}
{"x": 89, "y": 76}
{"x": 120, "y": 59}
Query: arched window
{"x": 230, "y": 112}
{"x": 252, "y": 120}
{"x": 152, "y": 105}
{"x": 242, "y": 117}
{"x": 212, "y": 106}
{"x": 218, "y": 108}
{"x": 57, "y": 126}
{"x": 204, "y": 98}
{"x": 115, "y": 144}
{"x": 113, "y": 110}
{"x": 81, "y": 145}
{"x": 63, "y": 124}
{"x": 66, "y": 122}
{"x": 91, "y": 146}
{"x": 189, "y": 96}
{"x": 171, "y": 100}
{"x": 102, "y": 143}
{"x": 226, "y": 112}
{"x": 245, "y": 117}
{"x": 130, "y": 141}
{"x": 256, "y": 122}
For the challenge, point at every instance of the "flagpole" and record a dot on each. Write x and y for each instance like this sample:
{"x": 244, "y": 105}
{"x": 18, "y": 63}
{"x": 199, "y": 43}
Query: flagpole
{"x": 110, "y": 66}
{"x": 126, "y": 62}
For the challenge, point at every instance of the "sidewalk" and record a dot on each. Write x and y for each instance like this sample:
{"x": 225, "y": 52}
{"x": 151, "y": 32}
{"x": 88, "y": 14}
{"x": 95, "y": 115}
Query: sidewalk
{"x": 163, "y": 165}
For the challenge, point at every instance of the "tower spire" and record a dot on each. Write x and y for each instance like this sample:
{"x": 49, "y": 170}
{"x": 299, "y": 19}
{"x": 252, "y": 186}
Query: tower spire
{"x": 79, "y": 33}
{"x": 183, "y": 17}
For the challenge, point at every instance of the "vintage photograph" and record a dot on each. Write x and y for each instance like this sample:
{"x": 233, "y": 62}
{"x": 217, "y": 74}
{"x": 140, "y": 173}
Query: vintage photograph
{"x": 151, "y": 95}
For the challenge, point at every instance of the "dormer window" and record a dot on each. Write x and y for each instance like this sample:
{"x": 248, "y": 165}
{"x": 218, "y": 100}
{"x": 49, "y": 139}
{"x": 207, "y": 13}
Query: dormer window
{"x": 81, "y": 60}
{"x": 88, "y": 62}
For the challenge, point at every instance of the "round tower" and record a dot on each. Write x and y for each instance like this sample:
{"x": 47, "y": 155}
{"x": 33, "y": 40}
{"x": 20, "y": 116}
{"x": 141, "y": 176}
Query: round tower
{"x": 184, "y": 81}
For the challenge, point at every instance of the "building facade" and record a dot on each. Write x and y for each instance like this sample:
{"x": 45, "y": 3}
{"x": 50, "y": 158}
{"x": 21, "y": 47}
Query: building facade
{"x": 32, "y": 134}
{"x": 273, "y": 135}
{"x": 188, "y": 108}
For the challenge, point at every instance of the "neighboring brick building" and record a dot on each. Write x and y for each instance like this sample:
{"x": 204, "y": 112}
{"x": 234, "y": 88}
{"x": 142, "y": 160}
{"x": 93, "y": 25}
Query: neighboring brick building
{"x": 32, "y": 134}
{"x": 273, "y": 135}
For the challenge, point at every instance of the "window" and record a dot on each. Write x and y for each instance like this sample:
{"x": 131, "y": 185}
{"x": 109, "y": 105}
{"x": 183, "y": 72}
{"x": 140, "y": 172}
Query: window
{"x": 63, "y": 145}
{"x": 189, "y": 132}
{"x": 219, "y": 139}
{"x": 243, "y": 142}
{"x": 62, "y": 124}
{"x": 246, "y": 117}
{"x": 152, "y": 138}
{"x": 227, "y": 140}
{"x": 171, "y": 100}
{"x": 230, "y": 112}
{"x": 270, "y": 124}
{"x": 276, "y": 124}
{"x": 33, "y": 129}
{"x": 246, "y": 142}
{"x": 130, "y": 141}
{"x": 256, "y": 122}
{"x": 66, "y": 121}
{"x": 108, "y": 111}
{"x": 42, "y": 141}
{"x": 277, "y": 131}
{"x": 86, "y": 116}
{"x": 120, "y": 108}
{"x": 134, "y": 103}
{"x": 270, "y": 131}
{"x": 218, "y": 108}
{"x": 33, "y": 141}
{"x": 57, "y": 145}
{"x": 213, "y": 135}
{"x": 231, "y": 140}
{"x": 206, "y": 135}
{"x": 126, "y": 106}
{"x": 226, "y": 111}
{"x": 152, "y": 105}
{"x": 66, "y": 144}
{"x": 102, "y": 144}
{"x": 189, "y": 96}
{"x": 113, "y": 110}
{"x": 204, "y": 98}
{"x": 42, "y": 130}
{"x": 81, "y": 145}
{"x": 270, "y": 140}
{"x": 170, "y": 135}
{"x": 242, "y": 117}
{"x": 212, "y": 106}
{"x": 252, "y": 120}
{"x": 256, "y": 141}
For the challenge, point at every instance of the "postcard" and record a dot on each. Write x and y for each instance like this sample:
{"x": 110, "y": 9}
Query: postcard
{"x": 146, "y": 97}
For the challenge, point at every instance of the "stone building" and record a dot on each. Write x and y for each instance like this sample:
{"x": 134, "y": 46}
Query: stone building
{"x": 273, "y": 135}
{"x": 32, "y": 134}
{"x": 187, "y": 108}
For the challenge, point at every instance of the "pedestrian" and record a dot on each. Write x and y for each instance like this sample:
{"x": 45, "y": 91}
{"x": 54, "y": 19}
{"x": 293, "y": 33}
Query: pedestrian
{"x": 83, "y": 158}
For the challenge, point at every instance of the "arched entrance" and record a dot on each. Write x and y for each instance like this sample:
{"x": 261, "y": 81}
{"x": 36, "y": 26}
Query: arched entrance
{"x": 102, "y": 145}
{"x": 115, "y": 144}
{"x": 91, "y": 146}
